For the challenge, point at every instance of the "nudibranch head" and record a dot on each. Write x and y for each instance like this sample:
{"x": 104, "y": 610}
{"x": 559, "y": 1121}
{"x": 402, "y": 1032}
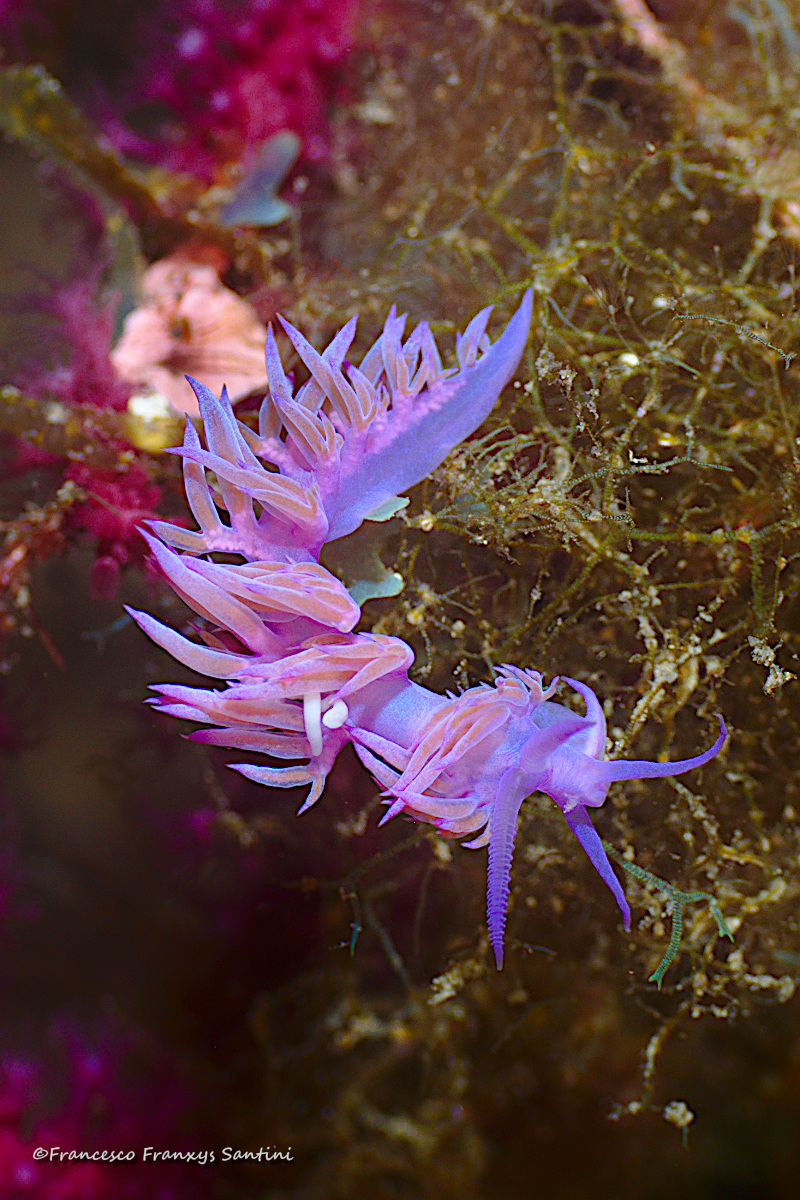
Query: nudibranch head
{"x": 479, "y": 756}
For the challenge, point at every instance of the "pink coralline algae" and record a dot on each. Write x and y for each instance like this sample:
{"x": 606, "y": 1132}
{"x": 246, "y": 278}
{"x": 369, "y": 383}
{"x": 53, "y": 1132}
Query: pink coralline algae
{"x": 196, "y": 85}
{"x": 232, "y": 76}
{"x": 74, "y": 1118}
{"x": 115, "y": 504}
{"x": 84, "y": 324}
{"x": 298, "y": 683}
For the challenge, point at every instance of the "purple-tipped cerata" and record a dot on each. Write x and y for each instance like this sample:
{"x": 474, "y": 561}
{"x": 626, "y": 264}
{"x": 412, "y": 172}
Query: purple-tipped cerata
{"x": 296, "y": 683}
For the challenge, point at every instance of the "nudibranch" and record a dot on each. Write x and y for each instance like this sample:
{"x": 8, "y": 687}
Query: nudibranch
{"x": 296, "y": 683}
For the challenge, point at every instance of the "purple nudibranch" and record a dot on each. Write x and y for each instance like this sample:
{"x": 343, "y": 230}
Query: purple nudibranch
{"x": 297, "y": 682}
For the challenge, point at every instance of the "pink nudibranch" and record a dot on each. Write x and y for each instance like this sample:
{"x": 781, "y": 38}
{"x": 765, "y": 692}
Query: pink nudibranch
{"x": 298, "y": 683}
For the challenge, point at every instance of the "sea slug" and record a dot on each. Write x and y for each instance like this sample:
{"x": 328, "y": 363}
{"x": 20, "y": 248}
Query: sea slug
{"x": 297, "y": 682}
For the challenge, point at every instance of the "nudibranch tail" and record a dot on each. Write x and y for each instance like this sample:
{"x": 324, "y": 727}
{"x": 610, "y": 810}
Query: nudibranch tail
{"x": 429, "y": 412}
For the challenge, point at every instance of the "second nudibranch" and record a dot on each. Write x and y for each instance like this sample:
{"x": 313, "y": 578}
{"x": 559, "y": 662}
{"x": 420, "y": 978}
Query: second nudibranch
{"x": 296, "y": 683}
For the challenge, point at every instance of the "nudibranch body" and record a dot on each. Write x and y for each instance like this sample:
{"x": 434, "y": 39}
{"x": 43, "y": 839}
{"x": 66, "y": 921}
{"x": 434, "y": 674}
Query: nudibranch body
{"x": 297, "y": 684}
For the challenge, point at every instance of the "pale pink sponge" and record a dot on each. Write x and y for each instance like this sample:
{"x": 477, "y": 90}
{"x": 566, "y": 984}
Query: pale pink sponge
{"x": 277, "y": 626}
